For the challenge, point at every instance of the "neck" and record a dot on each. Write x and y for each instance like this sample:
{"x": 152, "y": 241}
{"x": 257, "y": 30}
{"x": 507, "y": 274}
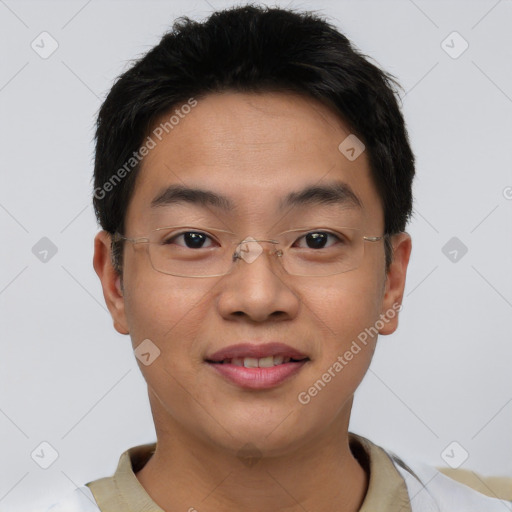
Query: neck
{"x": 185, "y": 473}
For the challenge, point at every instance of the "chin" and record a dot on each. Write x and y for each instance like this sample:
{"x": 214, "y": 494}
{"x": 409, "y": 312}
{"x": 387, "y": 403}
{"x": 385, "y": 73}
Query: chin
{"x": 268, "y": 437}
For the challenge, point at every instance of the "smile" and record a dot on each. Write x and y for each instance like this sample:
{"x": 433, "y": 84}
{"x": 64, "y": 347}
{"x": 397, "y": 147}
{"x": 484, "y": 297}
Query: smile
{"x": 257, "y": 365}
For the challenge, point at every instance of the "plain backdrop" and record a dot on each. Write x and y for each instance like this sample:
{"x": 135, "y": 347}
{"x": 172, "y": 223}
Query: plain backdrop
{"x": 69, "y": 380}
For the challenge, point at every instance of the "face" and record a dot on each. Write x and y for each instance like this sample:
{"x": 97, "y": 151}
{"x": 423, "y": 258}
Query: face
{"x": 259, "y": 152}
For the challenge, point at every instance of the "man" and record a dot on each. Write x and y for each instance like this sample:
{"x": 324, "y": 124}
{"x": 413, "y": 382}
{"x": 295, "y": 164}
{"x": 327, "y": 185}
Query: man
{"x": 253, "y": 181}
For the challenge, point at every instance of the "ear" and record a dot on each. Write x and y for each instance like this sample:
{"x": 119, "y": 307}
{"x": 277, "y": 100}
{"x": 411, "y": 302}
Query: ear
{"x": 395, "y": 282}
{"x": 110, "y": 281}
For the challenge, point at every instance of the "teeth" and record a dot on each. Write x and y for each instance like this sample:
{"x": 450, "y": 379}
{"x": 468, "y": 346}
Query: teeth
{"x": 253, "y": 362}
{"x": 266, "y": 362}
{"x": 250, "y": 362}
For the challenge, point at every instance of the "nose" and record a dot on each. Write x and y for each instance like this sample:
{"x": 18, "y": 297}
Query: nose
{"x": 257, "y": 288}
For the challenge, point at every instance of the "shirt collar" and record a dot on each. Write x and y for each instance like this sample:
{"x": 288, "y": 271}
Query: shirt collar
{"x": 387, "y": 491}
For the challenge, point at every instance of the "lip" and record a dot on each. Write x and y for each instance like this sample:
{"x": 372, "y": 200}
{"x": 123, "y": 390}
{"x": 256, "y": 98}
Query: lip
{"x": 256, "y": 350}
{"x": 257, "y": 378}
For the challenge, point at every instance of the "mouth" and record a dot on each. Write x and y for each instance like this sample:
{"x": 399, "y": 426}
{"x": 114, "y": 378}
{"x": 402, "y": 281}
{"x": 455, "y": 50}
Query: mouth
{"x": 262, "y": 362}
{"x": 254, "y": 366}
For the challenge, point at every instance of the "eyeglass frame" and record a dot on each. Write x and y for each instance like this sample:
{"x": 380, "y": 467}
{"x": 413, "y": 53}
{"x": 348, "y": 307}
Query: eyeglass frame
{"x": 118, "y": 237}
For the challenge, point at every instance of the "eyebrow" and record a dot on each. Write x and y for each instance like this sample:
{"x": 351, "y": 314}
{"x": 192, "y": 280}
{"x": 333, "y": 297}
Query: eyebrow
{"x": 336, "y": 192}
{"x": 331, "y": 193}
{"x": 181, "y": 194}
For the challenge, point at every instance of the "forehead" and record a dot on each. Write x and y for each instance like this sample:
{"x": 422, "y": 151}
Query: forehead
{"x": 256, "y": 149}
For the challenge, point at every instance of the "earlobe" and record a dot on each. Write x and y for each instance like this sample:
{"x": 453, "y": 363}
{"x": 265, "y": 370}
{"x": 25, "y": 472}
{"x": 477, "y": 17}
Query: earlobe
{"x": 110, "y": 281}
{"x": 395, "y": 282}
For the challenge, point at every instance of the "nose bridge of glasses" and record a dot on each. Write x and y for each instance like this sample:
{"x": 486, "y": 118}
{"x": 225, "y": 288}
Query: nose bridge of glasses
{"x": 249, "y": 249}
{"x": 258, "y": 240}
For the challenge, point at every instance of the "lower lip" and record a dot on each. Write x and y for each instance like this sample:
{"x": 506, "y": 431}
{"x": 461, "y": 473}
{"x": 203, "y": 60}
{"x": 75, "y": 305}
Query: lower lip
{"x": 258, "y": 378}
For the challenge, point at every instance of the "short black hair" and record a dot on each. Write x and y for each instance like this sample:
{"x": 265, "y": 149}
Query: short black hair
{"x": 252, "y": 49}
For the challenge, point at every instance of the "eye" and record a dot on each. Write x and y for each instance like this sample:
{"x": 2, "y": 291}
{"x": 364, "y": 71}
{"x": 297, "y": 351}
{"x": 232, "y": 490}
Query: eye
{"x": 190, "y": 240}
{"x": 317, "y": 240}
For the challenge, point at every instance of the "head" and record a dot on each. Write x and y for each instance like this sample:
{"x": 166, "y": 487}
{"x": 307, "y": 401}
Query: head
{"x": 253, "y": 108}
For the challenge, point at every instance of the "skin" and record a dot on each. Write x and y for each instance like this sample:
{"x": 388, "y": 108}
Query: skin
{"x": 255, "y": 149}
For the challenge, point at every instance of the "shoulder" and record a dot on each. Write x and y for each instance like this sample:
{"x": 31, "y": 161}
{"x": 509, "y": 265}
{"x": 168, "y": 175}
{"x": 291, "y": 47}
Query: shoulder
{"x": 79, "y": 500}
{"x": 494, "y": 486}
{"x": 429, "y": 489}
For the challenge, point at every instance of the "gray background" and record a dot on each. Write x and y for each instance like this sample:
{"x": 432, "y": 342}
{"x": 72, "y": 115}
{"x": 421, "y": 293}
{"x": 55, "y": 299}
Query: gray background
{"x": 68, "y": 379}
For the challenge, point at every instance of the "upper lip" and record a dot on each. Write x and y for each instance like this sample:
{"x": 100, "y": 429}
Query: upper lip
{"x": 257, "y": 351}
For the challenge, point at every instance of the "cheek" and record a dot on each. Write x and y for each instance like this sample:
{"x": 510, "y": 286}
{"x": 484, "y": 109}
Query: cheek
{"x": 162, "y": 309}
{"x": 344, "y": 312}
{"x": 345, "y": 305}
{"x": 165, "y": 309}
{"x": 171, "y": 313}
